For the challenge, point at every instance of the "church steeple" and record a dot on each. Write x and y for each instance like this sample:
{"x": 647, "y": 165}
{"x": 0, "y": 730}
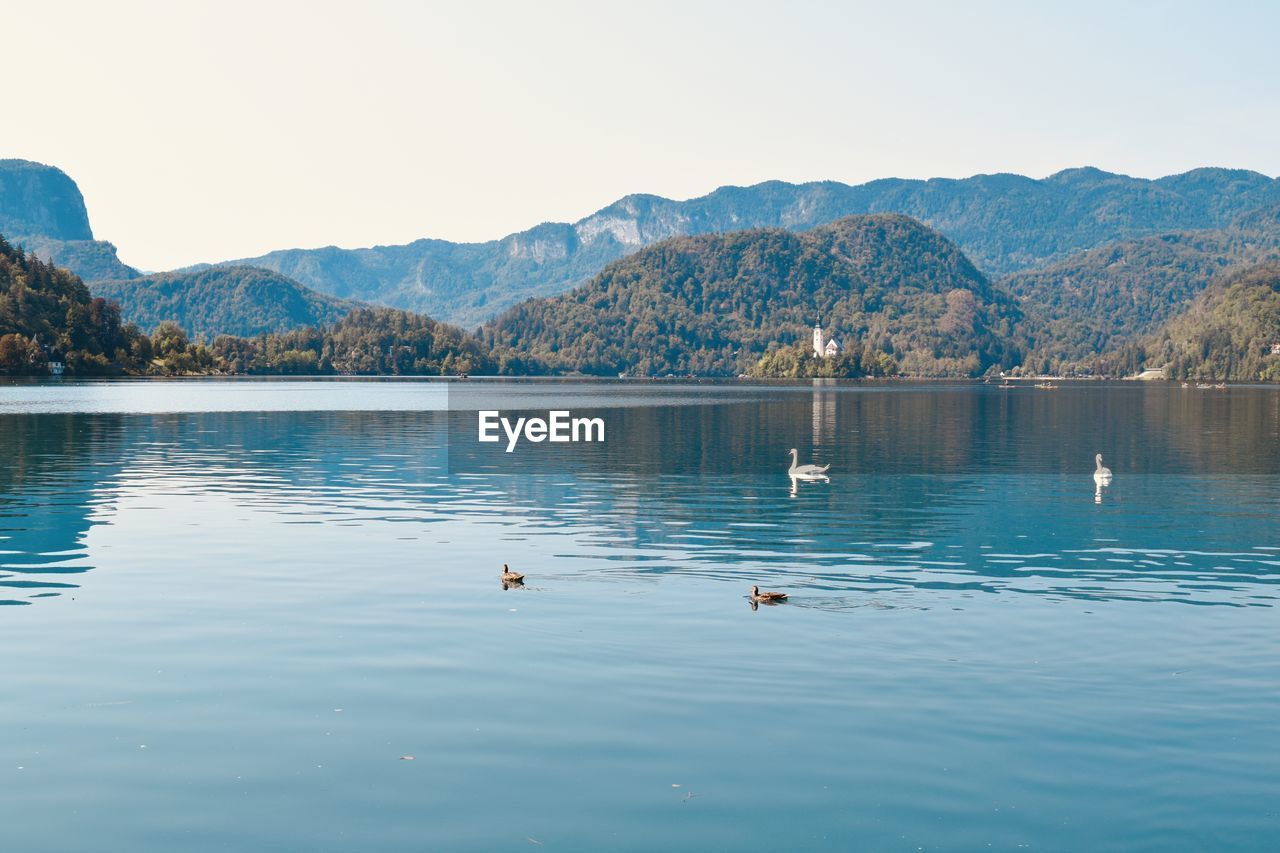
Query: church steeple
{"x": 818, "y": 350}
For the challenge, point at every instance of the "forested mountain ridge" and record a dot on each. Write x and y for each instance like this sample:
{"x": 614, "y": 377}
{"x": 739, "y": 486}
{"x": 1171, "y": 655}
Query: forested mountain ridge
{"x": 1003, "y": 222}
{"x": 715, "y": 304}
{"x": 1096, "y": 301}
{"x": 42, "y": 210}
{"x": 1231, "y": 332}
{"x": 215, "y": 301}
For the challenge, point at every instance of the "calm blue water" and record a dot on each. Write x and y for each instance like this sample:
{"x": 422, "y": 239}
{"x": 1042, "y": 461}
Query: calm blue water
{"x": 236, "y": 606}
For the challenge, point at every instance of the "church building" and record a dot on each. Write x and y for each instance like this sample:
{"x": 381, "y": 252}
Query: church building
{"x": 821, "y": 350}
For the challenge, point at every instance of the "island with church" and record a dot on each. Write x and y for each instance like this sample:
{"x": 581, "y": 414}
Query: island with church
{"x": 824, "y": 357}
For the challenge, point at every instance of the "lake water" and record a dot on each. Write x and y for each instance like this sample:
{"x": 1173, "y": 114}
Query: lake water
{"x": 239, "y": 607}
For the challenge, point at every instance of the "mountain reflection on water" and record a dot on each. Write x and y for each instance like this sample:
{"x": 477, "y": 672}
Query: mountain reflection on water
{"x": 935, "y": 487}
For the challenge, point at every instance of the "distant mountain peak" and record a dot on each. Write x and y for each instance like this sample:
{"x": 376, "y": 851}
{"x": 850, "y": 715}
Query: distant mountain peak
{"x": 40, "y": 200}
{"x": 42, "y": 210}
{"x": 1089, "y": 175}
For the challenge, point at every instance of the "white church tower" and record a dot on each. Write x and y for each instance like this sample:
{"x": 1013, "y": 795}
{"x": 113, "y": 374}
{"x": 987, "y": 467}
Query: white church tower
{"x": 820, "y": 350}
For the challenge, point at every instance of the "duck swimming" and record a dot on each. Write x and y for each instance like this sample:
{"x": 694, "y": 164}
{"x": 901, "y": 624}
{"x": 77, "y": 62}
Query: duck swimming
{"x": 509, "y": 576}
{"x": 767, "y": 597}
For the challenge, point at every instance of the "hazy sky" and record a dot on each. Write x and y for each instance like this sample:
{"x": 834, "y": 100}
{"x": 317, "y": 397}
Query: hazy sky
{"x": 207, "y": 132}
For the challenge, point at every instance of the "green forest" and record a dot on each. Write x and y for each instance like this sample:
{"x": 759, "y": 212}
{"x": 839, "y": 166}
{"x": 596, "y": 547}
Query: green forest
{"x": 42, "y": 306}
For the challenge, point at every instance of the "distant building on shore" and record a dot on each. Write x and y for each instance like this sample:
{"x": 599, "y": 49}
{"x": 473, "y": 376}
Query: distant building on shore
{"x": 54, "y": 362}
{"x": 52, "y": 358}
{"x": 1275, "y": 349}
{"x": 829, "y": 349}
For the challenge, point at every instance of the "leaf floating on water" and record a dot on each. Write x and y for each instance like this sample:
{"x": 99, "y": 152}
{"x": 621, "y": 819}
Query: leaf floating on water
{"x": 406, "y": 758}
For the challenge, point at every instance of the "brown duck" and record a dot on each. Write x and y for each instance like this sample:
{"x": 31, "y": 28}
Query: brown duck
{"x": 767, "y": 597}
{"x": 509, "y": 576}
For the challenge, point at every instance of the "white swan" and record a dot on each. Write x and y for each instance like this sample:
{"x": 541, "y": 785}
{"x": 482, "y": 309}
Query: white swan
{"x": 1101, "y": 474}
{"x": 805, "y": 472}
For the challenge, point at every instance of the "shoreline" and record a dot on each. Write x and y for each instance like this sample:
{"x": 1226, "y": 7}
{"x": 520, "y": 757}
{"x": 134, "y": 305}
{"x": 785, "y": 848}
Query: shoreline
{"x": 1022, "y": 382}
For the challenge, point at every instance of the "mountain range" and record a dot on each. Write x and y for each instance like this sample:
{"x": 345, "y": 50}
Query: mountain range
{"x": 1004, "y": 223}
{"x": 1076, "y": 266}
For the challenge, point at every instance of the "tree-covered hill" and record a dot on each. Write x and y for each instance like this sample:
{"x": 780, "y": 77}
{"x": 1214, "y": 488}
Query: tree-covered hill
{"x": 715, "y": 304}
{"x": 1230, "y": 333}
{"x": 1004, "y": 222}
{"x": 44, "y": 309}
{"x": 92, "y": 260}
{"x": 223, "y": 301}
{"x": 1101, "y": 299}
